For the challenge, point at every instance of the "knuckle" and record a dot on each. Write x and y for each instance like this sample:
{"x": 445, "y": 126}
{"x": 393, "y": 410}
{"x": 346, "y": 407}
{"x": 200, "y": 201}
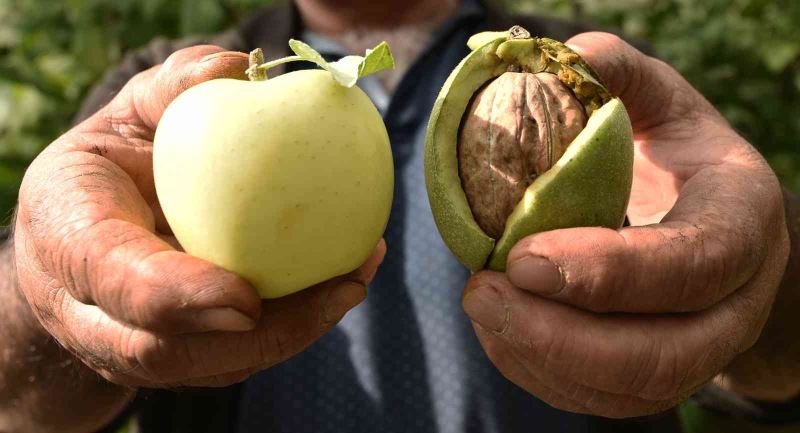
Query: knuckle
{"x": 153, "y": 356}
{"x": 141, "y": 305}
{"x": 184, "y": 360}
{"x": 125, "y": 281}
{"x": 599, "y": 293}
{"x": 69, "y": 261}
{"x": 49, "y": 305}
{"x": 142, "y": 302}
{"x": 713, "y": 272}
{"x": 129, "y": 350}
{"x": 703, "y": 282}
{"x": 490, "y": 281}
{"x": 123, "y": 118}
{"x": 74, "y": 257}
{"x": 602, "y": 281}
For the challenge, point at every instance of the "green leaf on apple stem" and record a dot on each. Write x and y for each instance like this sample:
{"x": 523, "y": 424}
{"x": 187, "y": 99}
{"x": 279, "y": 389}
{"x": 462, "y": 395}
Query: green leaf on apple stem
{"x": 304, "y": 51}
{"x": 349, "y": 69}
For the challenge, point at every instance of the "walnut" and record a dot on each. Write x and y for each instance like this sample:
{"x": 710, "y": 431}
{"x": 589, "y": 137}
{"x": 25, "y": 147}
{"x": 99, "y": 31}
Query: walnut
{"x": 514, "y": 130}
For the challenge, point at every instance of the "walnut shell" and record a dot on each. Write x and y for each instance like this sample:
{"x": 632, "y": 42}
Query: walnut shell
{"x": 515, "y": 129}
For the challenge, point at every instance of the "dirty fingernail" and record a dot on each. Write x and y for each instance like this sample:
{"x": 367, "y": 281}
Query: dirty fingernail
{"x": 536, "y": 274}
{"x": 486, "y": 307}
{"x": 342, "y": 299}
{"x": 225, "y": 319}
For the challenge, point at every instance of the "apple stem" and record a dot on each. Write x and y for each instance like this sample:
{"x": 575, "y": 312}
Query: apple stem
{"x": 258, "y": 67}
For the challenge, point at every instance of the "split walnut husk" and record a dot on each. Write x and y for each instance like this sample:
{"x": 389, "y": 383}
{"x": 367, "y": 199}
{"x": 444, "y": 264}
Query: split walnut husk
{"x": 515, "y": 129}
{"x": 523, "y": 138}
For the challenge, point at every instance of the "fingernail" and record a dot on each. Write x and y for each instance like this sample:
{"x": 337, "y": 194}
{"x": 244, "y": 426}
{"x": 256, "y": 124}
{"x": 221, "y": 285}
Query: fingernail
{"x": 342, "y": 299}
{"x": 486, "y": 307}
{"x": 577, "y": 48}
{"x": 222, "y": 54}
{"x": 211, "y": 57}
{"x": 536, "y": 274}
{"x": 225, "y": 319}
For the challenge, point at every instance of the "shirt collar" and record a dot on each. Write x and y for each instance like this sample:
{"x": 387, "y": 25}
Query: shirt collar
{"x": 467, "y": 10}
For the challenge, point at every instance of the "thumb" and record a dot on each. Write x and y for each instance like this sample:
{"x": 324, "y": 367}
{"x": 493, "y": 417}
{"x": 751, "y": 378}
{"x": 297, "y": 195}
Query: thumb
{"x": 141, "y": 103}
{"x": 183, "y": 69}
{"x": 652, "y": 91}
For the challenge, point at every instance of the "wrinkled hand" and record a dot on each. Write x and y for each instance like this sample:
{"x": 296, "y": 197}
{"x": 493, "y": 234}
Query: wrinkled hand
{"x": 102, "y": 274}
{"x": 629, "y": 322}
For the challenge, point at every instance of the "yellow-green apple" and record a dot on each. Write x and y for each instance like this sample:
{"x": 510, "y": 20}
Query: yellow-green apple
{"x": 285, "y": 181}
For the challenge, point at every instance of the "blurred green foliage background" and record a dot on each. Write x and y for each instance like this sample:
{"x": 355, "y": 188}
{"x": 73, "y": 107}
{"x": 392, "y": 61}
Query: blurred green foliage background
{"x": 744, "y": 55}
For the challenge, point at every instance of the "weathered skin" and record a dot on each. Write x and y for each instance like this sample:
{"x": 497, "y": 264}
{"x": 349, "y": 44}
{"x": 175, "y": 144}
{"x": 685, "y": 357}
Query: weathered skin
{"x": 515, "y": 129}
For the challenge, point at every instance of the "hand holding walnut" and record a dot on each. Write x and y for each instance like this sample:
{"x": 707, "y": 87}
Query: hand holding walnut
{"x": 697, "y": 274}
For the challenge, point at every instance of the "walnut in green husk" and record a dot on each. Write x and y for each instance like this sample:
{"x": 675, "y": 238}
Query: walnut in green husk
{"x": 523, "y": 138}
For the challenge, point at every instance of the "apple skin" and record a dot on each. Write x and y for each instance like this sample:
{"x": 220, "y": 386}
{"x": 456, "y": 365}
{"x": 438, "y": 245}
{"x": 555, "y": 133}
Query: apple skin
{"x": 286, "y": 182}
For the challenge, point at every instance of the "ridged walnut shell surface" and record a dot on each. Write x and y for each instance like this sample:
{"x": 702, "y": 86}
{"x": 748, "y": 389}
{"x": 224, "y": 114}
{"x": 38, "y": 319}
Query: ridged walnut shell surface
{"x": 515, "y": 129}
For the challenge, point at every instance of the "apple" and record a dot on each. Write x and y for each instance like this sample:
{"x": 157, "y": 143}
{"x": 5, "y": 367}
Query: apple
{"x": 286, "y": 182}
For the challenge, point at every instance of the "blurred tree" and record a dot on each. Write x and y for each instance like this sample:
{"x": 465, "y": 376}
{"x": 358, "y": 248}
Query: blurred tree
{"x": 742, "y": 54}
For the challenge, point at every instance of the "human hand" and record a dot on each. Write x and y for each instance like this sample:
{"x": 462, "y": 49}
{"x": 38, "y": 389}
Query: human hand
{"x": 100, "y": 270}
{"x": 629, "y": 322}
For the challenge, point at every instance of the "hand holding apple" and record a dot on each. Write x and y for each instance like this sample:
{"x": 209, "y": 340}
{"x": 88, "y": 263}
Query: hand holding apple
{"x": 99, "y": 268}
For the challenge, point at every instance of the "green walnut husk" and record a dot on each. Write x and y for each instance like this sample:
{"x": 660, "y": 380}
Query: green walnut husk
{"x": 588, "y": 186}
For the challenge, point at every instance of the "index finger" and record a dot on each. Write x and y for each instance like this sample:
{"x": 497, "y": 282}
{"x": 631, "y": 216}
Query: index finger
{"x": 647, "y": 86}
